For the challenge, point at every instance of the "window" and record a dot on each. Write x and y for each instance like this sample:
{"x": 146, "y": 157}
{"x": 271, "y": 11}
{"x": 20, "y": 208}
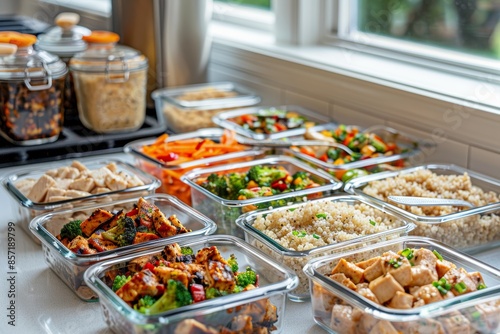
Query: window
{"x": 458, "y": 32}
{"x": 256, "y": 14}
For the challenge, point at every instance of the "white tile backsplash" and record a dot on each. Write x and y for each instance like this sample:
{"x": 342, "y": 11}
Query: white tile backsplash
{"x": 485, "y": 162}
{"x": 294, "y": 98}
{"x": 343, "y": 115}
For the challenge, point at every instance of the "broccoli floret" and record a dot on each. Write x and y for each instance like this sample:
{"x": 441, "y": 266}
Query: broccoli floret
{"x": 237, "y": 181}
{"x": 120, "y": 281}
{"x": 187, "y": 251}
{"x": 247, "y": 277}
{"x": 144, "y": 303}
{"x": 233, "y": 263}
{"x": 264, "y": 175}
{"x": 175, "y": 296}
{"x": 71, "y": 230}
{"x": 257, "y": 192}
{"x": 123, "y": 233}
{"x": 237, "y": 289}
{"x": 211, "y": 293}
{"x": 217, "y": 185}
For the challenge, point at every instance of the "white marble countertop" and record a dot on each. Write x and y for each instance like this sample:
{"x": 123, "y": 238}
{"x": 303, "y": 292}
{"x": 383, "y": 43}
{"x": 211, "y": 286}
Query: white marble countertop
{"x": 44, "y": 304}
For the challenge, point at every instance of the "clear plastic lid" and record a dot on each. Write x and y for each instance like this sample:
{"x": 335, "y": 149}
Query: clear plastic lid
{"x": 25, "y": 63}
{"x": 65, "y": 38}
{"x": 103, "y": 55}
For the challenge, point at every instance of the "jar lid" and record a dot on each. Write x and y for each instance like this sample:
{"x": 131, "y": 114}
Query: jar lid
{"x": 103, "y": 55}
{"x": 25, "y": 63}
{"x": 66, "y": 37}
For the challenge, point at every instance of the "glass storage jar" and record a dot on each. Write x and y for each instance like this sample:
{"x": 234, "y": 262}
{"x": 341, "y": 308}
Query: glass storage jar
{"x": 110, "y": 84}
{"x": 31, "y": 91}
{"x": 64, "y": 40}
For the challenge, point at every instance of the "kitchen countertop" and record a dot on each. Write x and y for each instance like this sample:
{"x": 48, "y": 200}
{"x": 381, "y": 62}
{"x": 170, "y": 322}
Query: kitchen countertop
{"x": 44, "y": 304}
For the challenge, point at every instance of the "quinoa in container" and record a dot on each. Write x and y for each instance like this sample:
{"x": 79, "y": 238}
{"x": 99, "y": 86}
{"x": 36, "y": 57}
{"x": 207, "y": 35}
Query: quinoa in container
{"x": 31, "y": 91}
{"x": 110, "y": 84}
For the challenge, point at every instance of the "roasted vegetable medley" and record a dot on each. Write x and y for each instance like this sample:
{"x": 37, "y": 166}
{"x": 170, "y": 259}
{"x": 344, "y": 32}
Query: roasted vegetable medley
{"x": 259, "y": 181}
{"x": 272, "y": 120}
{"x": 178, "y": 276}
{"x": 407, "y": 279}
{"x": 105, "y": 230}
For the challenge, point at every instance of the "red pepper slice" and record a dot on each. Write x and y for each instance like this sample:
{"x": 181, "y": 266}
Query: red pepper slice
{"x": 132, "y": 212}
{"x": 149, "y": 266}
{"x": 168, "y": 157}
{"x": 200, "y": 144}
{"x": 324, "y": 157}
{"x": 146, "y": 223}
{"x": 280, "y": 127}
{"x": 279, "y": 185}
{"x": 197, "y": 292}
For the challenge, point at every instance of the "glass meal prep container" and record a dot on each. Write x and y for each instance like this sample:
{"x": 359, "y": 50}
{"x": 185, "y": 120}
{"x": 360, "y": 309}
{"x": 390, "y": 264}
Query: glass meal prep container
{"x": 378, "y": 148}
{"x": 338, "y": 309}
{"x": 70, "y": 266}
{"x": 170, "y": 171}
{"x": 274, "y": 282}
{"x": 295, "y": 234}
{"x": 270, "y": 122}
{"x": 469, "y": 229}
{"x": 33, "y": 182}
{"x": 110, "y": 84}
{"x": 64, "y": 40}
{"x": 189, "y": 108}
{"x": 225, "y": 211}
{"x": 31, "y": 91}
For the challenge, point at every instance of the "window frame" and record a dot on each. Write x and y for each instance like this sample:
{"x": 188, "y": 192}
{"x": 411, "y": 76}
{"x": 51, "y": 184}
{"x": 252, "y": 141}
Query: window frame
{"x": 255, "y": 18}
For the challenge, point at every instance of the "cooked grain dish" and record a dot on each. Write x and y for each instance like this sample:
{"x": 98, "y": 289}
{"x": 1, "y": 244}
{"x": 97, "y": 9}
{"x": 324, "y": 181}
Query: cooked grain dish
{"x": 320, "y": 223}
{"x": 466, "y": 232}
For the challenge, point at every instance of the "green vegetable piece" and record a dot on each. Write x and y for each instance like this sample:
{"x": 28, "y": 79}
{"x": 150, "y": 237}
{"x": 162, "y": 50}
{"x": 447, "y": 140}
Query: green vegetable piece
{"x": 176, "y": 295}
{"x": 265, "y": 175}
{"x": 295, "y": 233}
{"x": 237, "y": 289}
{"x": 71, "y": 230}
{"x": 212, "y": 293}
{"x": 481, "y": 286}
{"x": 292, "y": 209}
{"x": 246, "y": 278}
{"x": 233, "y": 263}
{"x": 123, "y": 233}
{"x": 476, "y": 315}
{"x": 460, "y": 287}
{"x": 408, "y": 253}
{"x": 144, "y": 303}
{"x": 442, "y": 290}
{"x": 187, "y": 250}
{"x": 373, "y": 223}
{"x": 315, "y": 236}
{"x": 333, "y": 153}
{"x": 120, "y": 281}
{"x": 436, "y": 253}
{"x": 394, "y": 263}
{"x": 321, "y": 215}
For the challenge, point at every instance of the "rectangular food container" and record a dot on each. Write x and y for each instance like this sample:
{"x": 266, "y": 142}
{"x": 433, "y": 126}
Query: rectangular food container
{"x": 471, "y": 230}
{"x": 410, "y": 148}
{"x": 296, "y": 259}
{"x": 274, "y": 282}
{"x": 70, "y": 266}
{"x": 189, "y": 108}
{"x": 28, "y": 209}
{"x": 474, "y": 312}
{"x": 170, "y": 173}
{"x": 225, "y": 212}
{"x": 227, "y": 120}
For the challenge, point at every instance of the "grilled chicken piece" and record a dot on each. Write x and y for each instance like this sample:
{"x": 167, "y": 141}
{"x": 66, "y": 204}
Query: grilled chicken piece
{"x": 374, "y": 270}
{"x": 365, "y": 264}
{"x": 460, "y": 275}
{"x": 191, "y": 326}
{"x": 171, "y": 252}
{"x": 242, "y": 324}
{"x": 401, "y": 300}
{"x": 209, "y": 253}
{"x": 112, "y": 222}
{"x": 96, "y": 219}
{"x": 167, "y": 273}
{"x": 385, "y": 287}
{"x": 141, "y": 284}
{"x": 220, "y": 276}
{"x": 383, "y": 327}
{"x": 425, "y": 257}
{"x": 422, "y": 275}
{"x": 364, "y": 291}
{"x": 342, "y": 279}
{"x": 80, "y": 245}
{"x": 344, "y": 319}
{"x": 262, "y": 312}
{"x": 442, "y": 267}
{"x": 40, "y": 188}
{"x": 138, "y": 263}
{"x": 165, "y": 227}
{"x": 100, "y": 244}
{"x": 428, "y": 293}
{"x": 143, "y": 237}
{"x": 398, "y": 266}
{"x": 349, "y": 269}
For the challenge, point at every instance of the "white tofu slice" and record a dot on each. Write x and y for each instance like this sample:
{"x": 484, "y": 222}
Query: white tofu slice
{"x": 39, "y": 191}
{"x": 78, "y": 165}
{"x": 99, "y": 176}
{"x": 100, "y": 190}
{"x": 64, "y": 183}
{"x": 24, "y": 186}
{"x": 115, "y": 182}
{"x": 55, "y": 191}
{"x": 112, "y": 167}
{"x": 134, "y": 181}
{"x": 82, "y": 184}
{"x": 385, "y": 287}
{"x": 77, "y": 193}
{"x": 57, "y": 198}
